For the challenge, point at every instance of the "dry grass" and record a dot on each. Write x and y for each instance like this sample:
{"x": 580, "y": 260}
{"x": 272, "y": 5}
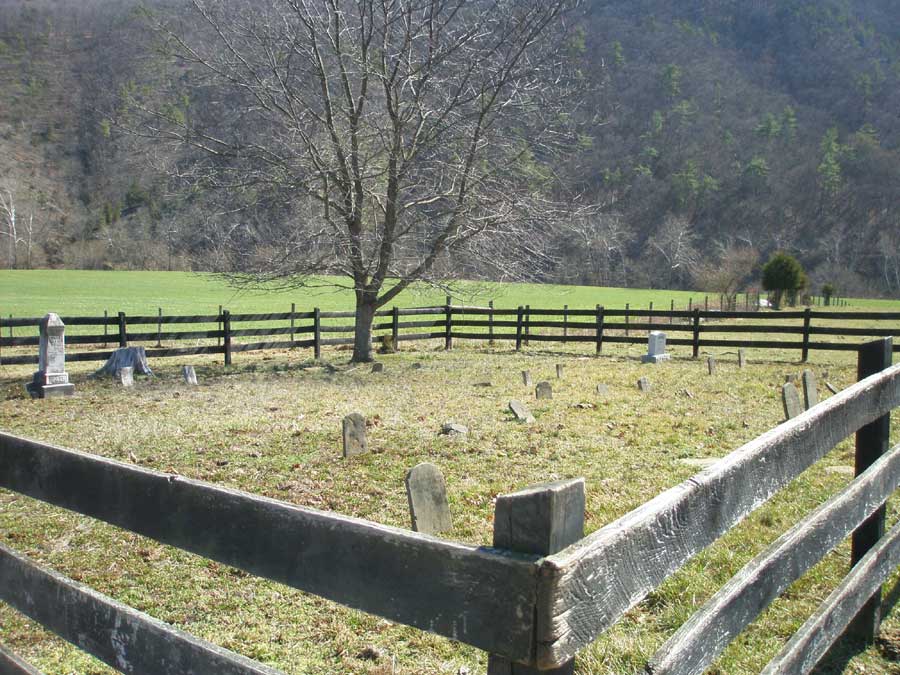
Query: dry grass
{"x": 271, "y": 425}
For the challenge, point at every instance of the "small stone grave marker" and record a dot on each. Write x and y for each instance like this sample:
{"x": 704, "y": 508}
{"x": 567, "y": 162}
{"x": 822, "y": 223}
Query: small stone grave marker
{"x": 190, "y": 377}
{"x": 602, "y": 389}
{"x": 790, "y": 397}
{"x": 354, "y": 432}
{"x": 427, "y": 494}
{"x": 742, "y": 357}
{"x": 810, "y": 390}
{"x": 521, "y": 413}
{"x": 526, "y": 378}
{"x": 51, "y": 378}
{"x": 125, "y": 376}
{"x": 454, "y": 429}
{"x": 543, "y": 391}
{"x": 644, "y": 384}
{"x": 483, "y": 385}
{"x": 417, "y": 366}
{"x": 831, "y": 388}
{"x": 559, "y": 371}
{"x": 656, "y": 348}
{"x": 711, "y": 365}
{"x": 377, "y": 367}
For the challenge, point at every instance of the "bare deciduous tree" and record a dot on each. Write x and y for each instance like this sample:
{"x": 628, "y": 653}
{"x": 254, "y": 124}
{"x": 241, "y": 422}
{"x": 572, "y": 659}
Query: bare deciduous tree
{"x": 390, "y": 133}
{"x": 9, "y": 226}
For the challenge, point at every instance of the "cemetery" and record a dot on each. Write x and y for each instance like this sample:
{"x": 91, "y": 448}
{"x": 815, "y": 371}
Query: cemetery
{"x": 434, "y": 442}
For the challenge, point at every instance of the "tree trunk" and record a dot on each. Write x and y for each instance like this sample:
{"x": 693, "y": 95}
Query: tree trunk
{"x": 362, "y": 338}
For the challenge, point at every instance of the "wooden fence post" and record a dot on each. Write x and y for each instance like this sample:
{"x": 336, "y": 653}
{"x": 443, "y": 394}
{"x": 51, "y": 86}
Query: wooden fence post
{"x": 706, "y": 303}
{"x": 696, "y": 336}
{"x": 317, "y": 333}
{"x": 650, "y": 317}
{"x": 448, "y": 331}
{"x": 159, "y": 326}
{"x": 565, "y": 323}
{"x": 627, "y": 309}
{"x": 539, "y": 520}
{"x": 519, "y": 329}
{"x": 219, "y": 328}
{"x": 123, "y": 330}
{"x": 527, "y": 324}
{"x": 872, "y": 441}
{"x": 226, "y": 339}
{"x": 293, "y": 311}
{"x": 11, "y": 328}
{"x": 690, "y": 304}
{"x": 672, "y": 309}
{"x": 105, "y": 326}
{"x": 395, "y": 328}
{"x": 807, "y": 317}
{"x": 599, "y": 329}
{"x": 491, "y": 323}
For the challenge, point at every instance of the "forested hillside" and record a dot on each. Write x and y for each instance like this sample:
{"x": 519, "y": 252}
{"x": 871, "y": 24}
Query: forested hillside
{"x": 709, "y": 134}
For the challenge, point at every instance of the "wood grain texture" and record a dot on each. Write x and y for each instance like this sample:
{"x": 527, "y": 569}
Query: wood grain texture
{"x": 10, "y": 664}
{"x": 592, "y": 583}
{"x": 809, "y": 644}
{"x": 129, "y": 641}
{"x": 711, "y": 629}
{"x": 479, "y": 596}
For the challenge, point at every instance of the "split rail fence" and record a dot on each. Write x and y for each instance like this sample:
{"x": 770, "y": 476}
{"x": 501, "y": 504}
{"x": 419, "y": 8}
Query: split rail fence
{"x": 538, "y": 596}
{"x": 222, "y": 333}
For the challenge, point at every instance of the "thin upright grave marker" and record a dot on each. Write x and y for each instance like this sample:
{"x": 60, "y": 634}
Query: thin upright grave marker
{"x": 51, "y": 378}
{"x": 426, "y": 491}
{"x": 125, "y": 376}
{"x": 656, "y": 348}
{"x": 711, "y": 365}
{"x": 559, "y": 371}
{"x": 526, "y": 378}
{"x": 742, "y": 357}
{"x": 190, "y": 377}
{"x": 810, "y": 390}
{"x": 644, "y": 384}
{"x": 790, "y": 398}
{"x": 354, "y": 432}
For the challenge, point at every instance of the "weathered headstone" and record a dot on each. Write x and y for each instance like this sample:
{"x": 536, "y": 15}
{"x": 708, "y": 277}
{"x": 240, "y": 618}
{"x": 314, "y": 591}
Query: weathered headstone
{"x": 790, "y": 397}
{"x": 354, "y": 428}
{"x": 427, "y": 494}
{"x": 742, "y": 357}
{"x": 377, "y": 367}
{"x": 526, "y": 378}
{"x": 644, "y": 384}
{"x": 711, "y": 364}
{"x": 417, "y": 366}
{"x": 190, "y": 377}
{"x": 51, "y": 378}
{"x": 388, "y": 346}
{"x": 543, "y": 391}
{"x": 454, "y": 429}
{"x": 559, "y": 371}
{"x": 602, "y": 389}
{"x": 125, "y": 377}
{"x": 831, "y": 388}
{"x": 521, "y": 413}
{"x": 810, "y": 390}
{"x": 656, "y": 348}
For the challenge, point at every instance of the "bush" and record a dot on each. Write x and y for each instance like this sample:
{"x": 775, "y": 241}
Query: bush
{"x": 783, "y": 275}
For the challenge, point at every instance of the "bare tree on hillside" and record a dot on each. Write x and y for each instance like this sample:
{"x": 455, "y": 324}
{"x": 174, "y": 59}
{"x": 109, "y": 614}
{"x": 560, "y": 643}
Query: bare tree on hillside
{"x": 9, "y": 227}
{"x": 390, "y": 133}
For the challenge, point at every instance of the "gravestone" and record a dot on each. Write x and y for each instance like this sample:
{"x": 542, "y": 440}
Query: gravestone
{"x": 790, "y": 398}
{"x": 711, "y": 365}
{"x": 602, "y": 389}
{"x": 656, "y": 348}
{"x": 354, "y": 428}
{"x": 190, "y": 377}
{"x": 810, "y": 390}
{"x": 831, "y": 388}
{"x": 417, "y": 366}
{"x": 742, "y": 357}
{"x": 427, "y": 494}
{"x": 51, "y": 379}
{"x": 644, "y": 384}
{"x": 377, "y": 367}
{"x": 559, "y": 371}
{"x": 521, "y": 413}
{"x": 388, "y": 346}
{"x": 526, "y": 378}
{"x": 454, "y": 429}
{"x": 543, "y": 391}
{"x": 125, "y": 376}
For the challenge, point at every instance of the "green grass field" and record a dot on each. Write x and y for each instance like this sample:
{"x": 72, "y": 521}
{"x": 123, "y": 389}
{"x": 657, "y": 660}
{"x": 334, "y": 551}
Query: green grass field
{"x": 271, "y": 425}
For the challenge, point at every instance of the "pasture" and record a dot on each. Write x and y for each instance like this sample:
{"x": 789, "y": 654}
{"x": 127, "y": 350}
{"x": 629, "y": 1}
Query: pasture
{"x": 270, "y": 425}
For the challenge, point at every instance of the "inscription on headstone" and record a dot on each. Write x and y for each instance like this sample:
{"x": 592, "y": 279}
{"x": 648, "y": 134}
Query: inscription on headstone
{"x": 521, "y": 413}
{"x": 810, "y": 390}
{"x": 51, "y": 378}
{"x": 656, "y": 348}
{"x": 790, "y": 398}
{"x": 543, "y": 391}
{"x": 427, "y": 494}
{"x": 190, "y": 377}
{"x": 354, "y": 428}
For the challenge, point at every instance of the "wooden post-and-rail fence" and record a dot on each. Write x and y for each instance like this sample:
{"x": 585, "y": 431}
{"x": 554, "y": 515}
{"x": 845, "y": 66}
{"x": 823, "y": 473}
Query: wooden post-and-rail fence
{"x": 315, "y": 329}
{"x": 541, "y": 594}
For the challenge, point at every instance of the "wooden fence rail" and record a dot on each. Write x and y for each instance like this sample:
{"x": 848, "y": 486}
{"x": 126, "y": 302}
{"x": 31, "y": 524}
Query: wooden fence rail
{"x": 539, "y": 596}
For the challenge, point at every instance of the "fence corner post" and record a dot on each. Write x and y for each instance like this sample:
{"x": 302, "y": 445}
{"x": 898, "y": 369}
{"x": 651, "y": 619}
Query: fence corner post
{"x": 226, "y": 335}
{"x": 539, "y": 520}
{"x": 807, "y": 317}
{"x": 123, "y": 330}
{"x": 448, "y": 326}
{"x": 317, "y": 334}
{"x": 695, "y": 343}
{"x": 872, "y": 441}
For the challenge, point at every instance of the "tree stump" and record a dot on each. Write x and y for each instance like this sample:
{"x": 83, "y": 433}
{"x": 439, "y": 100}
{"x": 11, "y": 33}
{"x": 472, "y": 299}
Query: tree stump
{"x": 126, "y": 357}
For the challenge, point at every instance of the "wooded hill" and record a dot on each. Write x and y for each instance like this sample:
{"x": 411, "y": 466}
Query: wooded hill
{"x": 707, "y": 132}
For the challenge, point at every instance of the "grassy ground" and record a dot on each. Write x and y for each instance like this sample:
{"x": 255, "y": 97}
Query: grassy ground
{"x": 271, "y": 425}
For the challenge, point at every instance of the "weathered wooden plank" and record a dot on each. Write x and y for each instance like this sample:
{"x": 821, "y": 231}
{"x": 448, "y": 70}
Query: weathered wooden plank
{"x": 863, "y": 332}
{"x": 418, "y": 336}
{"x": 711, "y": 629}
{"x": 10, "y": 664}
{"x": 120, "y": 636}
{"x": 747, "y": 328}
{"x": 809, "y": 644}
{"x": 598, "y": 579}
{"x": 479, "y": 596}
{"x": 271, "y": 344}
